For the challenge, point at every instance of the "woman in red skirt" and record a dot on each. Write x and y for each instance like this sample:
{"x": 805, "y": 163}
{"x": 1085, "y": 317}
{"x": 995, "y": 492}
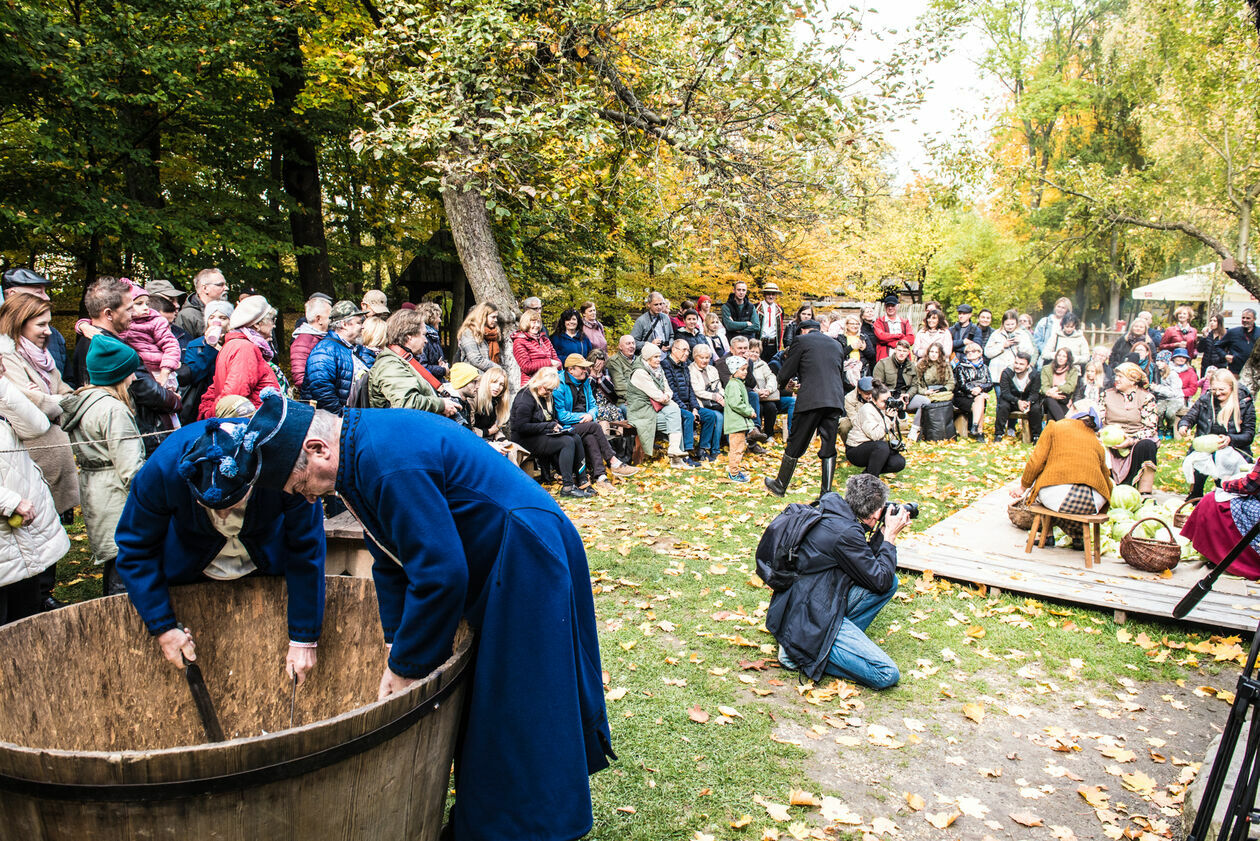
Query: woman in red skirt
{"x": 1219, "y": 521}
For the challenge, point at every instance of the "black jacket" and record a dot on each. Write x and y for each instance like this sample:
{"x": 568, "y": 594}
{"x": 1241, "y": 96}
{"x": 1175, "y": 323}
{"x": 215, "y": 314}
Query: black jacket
{"x": 963, "y": 333}
{"x": 1211, "y": 350}
{"x": 1010, "y": 394}
{"x": 817, "y": 360}
{"x": 1201, "y": 417}
{"x": 834, "y": 555}
{"x": 968, "y": 376}
{"x": 868, "y": 355}
{"x": 528, "y": 420}
{"x": 154, "y": 406}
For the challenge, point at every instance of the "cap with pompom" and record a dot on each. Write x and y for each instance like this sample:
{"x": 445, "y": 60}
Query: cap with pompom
{"x": 275, "y": 436}
{"x": 216, "y": 467}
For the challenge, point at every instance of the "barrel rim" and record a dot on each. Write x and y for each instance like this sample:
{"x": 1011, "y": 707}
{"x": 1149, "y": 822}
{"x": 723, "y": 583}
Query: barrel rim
{"x": 20, "y": 764}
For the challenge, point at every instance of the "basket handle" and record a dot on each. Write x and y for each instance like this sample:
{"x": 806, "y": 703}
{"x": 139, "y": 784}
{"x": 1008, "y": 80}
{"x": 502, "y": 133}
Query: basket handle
{"x": 1184, "y": 504}
{"x": 1171, "y": 538}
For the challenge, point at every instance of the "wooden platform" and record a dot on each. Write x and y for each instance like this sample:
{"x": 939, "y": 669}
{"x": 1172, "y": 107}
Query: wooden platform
{"x": 347, "y": 553}
{"x": 978, "y": 545}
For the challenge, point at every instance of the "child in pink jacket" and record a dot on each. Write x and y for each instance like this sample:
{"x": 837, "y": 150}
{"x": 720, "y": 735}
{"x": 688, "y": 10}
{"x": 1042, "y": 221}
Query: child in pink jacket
{"x": 148, "y": 335}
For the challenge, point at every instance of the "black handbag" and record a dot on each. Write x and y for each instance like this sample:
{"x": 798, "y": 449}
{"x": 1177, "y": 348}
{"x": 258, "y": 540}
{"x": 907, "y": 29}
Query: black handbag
{"x": 937, "y": 421}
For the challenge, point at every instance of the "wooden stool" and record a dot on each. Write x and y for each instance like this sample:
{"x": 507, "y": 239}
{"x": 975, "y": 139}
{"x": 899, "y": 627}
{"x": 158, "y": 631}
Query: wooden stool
{"x": 1043, "y": 524}
{"x": 1025, "y": 431}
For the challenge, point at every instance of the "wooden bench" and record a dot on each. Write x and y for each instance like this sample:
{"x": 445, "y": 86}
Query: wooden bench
{"x": 1025, "y": 431}
{"x": 1043, "y": 525}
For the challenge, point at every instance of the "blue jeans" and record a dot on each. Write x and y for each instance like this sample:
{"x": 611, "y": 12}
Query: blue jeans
{"x": 688, "y": 428}
{"x": 754, "y": 400}
{"x": 787, "y": 405}
{"x": 854, "y": 656}
{"x": 710, "y": 430}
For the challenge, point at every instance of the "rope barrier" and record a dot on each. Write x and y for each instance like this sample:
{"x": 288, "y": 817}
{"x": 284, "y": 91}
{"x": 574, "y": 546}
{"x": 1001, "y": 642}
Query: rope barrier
{"x": 139, "y": 437}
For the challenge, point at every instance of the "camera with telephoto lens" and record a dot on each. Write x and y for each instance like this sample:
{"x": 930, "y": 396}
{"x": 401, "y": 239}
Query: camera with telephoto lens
{"x": 892, "y": 509}
{"x": 896, "y": 403}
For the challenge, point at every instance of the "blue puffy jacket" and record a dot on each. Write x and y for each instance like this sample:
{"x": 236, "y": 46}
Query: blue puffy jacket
{"x": 563, "y": 399}
{"x": 165, "y": 537}
{"x": 330, "y": 372}
{"x": 679, "y": 379}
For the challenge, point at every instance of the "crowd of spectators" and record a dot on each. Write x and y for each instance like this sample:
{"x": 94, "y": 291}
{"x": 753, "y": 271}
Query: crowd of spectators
{"x": 695, "y": 380}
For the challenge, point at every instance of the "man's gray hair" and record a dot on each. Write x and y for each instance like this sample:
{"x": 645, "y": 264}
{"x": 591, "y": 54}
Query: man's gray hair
{"x": 739, "y": 340}
{"x": 324, "y": 427}
{"x": 205, "y": 277}
{"x": 655, "y": 296}
{"x": 865, "y": 494}
{"x": 315, "y": 305}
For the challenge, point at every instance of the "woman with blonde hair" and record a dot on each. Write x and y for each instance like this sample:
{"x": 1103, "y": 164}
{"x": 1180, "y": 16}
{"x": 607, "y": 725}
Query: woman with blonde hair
{"x": 101, "y": 422}
{"x": 1226, "y": 411}
{"x": 374, "y": 333}
{"x": 536, "y": 428}
{"x": 530, "y": 348}
{"x": 490, "y": 404}
{"x": 479, "y": 339}
{"x": 1181, "y": 334}
{"x": 715, "y": 332}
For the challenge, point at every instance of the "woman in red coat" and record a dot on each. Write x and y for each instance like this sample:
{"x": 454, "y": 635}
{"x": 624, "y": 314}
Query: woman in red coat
{"x": 531, "y": 349}
{"x": 242, "y": 366}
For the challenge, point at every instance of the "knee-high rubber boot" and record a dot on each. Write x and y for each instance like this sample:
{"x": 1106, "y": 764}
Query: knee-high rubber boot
{"x": 779, "y": 485}
{"x": 828, "y": 473}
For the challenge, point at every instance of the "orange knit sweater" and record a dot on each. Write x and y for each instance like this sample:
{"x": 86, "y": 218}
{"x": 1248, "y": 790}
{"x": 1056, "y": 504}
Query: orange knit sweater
{"x": 1068, "y": 453}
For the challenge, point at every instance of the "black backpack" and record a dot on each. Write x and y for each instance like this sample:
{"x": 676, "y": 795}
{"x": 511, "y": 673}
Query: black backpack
{"x": 776, "y": 552}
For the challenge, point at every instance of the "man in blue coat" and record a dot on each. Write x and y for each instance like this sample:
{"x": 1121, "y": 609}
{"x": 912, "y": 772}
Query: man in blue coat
{"x": 458, "y": 532}
{"x": 187, "y": 520}
{"x": 337, "y": 368}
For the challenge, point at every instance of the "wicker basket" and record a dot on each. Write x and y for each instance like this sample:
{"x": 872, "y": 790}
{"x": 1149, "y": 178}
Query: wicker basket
{"x": 1150, "y": 555}
{"x": 1179, "y": 516}
{"x": 1020, "y": 516}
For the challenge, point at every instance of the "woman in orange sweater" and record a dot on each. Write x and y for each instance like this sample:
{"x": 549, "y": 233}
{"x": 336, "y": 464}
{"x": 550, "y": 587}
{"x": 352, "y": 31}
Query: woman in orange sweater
{"x": 1067, "y": 471}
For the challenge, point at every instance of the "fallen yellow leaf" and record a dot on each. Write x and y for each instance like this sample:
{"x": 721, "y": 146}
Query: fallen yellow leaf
{"x": 941, "y": 820}
{"x": 915, "y": 802}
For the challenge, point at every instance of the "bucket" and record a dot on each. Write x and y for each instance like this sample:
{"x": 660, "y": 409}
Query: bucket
{"x": 100, "y": 739}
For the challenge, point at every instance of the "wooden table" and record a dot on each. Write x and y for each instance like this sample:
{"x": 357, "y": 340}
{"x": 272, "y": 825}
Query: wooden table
{"x": 347, "y": 553}
{"x": 1043, "y": 524}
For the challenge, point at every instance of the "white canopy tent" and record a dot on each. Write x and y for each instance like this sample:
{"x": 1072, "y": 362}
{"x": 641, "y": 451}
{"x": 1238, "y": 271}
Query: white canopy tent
{"x": 1195, "y": 286}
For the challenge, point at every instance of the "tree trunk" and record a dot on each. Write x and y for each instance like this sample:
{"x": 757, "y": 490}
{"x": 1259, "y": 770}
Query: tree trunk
{"x": 299, "y": 168}
{"x": 1244, "y": 233}
{"x": 474, "y": 241}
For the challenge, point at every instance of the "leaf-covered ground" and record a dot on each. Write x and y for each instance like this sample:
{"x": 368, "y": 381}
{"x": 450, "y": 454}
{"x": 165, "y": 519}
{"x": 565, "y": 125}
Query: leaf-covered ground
{"x": 1015, "y": 718}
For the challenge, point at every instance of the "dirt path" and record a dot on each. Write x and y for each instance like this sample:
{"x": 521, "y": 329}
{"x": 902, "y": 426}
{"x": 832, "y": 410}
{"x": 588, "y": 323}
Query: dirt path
{"x": 1057, "y": 762}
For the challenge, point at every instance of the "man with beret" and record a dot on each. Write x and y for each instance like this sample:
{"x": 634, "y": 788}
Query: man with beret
{"x": 817, "y": 360}
{"x": 457, "y": 532}
{"x": 193, "y": 515}
{"x": 963, "y": 331}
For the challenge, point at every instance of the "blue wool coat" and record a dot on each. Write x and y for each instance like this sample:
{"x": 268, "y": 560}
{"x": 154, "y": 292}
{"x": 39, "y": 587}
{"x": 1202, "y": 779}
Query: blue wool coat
{"x": 165, "y": 537}
{"x": 562, "y": 397}
{"x": 457, "y": 530}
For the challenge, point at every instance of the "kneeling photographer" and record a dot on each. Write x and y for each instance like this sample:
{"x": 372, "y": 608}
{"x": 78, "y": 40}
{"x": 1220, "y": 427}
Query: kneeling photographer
{"x": 874, "y": 442}
{"x": 844, "y": 570}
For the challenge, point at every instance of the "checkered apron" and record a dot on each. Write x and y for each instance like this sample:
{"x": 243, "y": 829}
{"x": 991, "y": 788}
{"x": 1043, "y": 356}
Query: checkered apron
{"x": 1079, "y": 500}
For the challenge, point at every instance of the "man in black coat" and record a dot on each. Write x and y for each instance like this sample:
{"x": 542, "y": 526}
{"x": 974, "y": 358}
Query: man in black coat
{"x": 817, "y": 361}
{"x": 847, "y": 572}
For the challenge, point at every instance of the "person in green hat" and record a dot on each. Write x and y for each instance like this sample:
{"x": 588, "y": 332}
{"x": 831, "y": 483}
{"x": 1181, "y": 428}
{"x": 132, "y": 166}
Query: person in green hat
{"x": 106, "y": 441}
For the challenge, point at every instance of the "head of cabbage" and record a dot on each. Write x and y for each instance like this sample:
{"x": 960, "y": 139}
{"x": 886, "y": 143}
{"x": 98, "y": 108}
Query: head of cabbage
{"x": 1207, "y": 443}
{"x": 1126, "y": 496}
{"x": 1111, "y": 435}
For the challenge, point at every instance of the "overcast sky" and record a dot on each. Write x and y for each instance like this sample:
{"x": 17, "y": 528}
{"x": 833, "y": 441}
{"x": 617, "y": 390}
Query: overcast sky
{"x": 959, "y": 98}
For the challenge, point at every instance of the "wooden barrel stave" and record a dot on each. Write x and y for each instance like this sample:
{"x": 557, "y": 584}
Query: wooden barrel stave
{"x": 393, "y": 790}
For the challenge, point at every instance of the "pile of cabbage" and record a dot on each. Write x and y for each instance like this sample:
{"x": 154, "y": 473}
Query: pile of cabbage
{"x": 1127, "y": 507}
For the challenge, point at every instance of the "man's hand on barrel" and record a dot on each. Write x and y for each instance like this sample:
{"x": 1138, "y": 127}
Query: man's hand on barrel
{"x": 299, "y": 661}
{"x": 177, "y": 641}
{"x": 391, "y": 683}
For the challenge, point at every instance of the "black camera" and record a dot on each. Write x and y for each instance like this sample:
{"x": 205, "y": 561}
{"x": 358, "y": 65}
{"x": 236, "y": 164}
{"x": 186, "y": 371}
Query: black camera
{"x": 892, "y": 509}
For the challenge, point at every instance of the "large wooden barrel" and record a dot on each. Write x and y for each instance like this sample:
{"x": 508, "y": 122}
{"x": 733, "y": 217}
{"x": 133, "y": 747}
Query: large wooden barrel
{"x": 100, "y": 739}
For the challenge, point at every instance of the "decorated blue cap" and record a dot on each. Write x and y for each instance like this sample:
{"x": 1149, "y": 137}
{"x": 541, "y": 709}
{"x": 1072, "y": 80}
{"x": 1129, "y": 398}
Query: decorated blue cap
{"x": 1090, "y": 414}
{"x": 275, "y": 436}
{"x": 217, "y": 467}
{"x": 1180, "y": 353}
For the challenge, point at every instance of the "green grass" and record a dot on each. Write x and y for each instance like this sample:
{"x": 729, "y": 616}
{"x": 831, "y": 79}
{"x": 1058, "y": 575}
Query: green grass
{"x": 678, "y": 600}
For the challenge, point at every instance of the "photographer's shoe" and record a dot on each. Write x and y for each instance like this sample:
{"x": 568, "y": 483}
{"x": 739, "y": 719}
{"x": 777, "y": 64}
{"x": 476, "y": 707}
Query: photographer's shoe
{"x": 779, "y": 485}
{"x": 828, "y": 473}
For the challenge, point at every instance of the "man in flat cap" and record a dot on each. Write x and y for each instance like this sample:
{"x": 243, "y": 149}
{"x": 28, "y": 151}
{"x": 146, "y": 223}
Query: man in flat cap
{"x": 457, "y": 531}
{"x": 817, "y": 360}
